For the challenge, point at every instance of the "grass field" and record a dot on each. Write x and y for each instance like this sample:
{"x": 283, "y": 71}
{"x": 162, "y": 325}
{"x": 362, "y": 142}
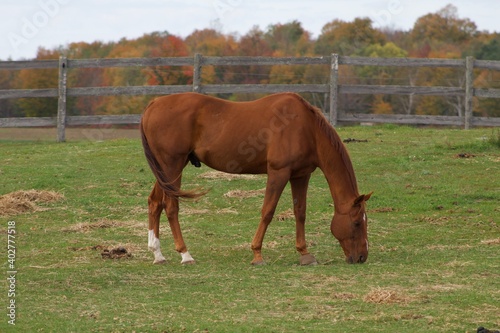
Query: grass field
{"x": 434, "y": 232}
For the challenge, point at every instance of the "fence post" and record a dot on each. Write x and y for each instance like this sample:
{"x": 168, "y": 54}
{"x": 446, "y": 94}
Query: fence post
{"x": 469, "y": 90}
{"x": 334, "y": 88}
{"x": 197, "y": 73}
{"x": 61, "y": 104}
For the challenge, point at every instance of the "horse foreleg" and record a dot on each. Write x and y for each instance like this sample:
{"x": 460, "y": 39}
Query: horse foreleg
{"x": 172, "y": 210}
{"x": 155, "y": 207}
{"x": 275, "y": 184}
{"x": 299, "y": 195}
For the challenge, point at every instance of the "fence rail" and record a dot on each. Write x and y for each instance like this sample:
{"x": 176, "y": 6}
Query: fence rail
{"x": 333, "y": 88}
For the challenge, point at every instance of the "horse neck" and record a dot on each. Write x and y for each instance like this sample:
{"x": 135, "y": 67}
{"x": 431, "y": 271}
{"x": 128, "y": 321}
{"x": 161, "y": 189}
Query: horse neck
{"x": 336, "y": 165}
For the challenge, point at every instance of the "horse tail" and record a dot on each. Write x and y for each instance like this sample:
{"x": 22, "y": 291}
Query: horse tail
{"x": 168, "y": 188}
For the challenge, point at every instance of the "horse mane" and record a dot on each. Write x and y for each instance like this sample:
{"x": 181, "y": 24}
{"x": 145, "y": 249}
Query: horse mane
{"x": 327, "y": 129}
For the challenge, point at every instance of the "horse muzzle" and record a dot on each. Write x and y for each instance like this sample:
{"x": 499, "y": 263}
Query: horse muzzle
{"x": 358, "y": 259}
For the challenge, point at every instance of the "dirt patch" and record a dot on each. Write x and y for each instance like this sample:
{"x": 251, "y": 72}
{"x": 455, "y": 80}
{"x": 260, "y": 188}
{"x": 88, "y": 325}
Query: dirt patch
{"x": 88, "y": 248}
{"x": 464, "y": 155}
{"x": 107, "y": 253}
{"x": 116, "y": 253}
{"x": 245, "y": 194}
{"x": 26, "y": 201}
{"x": 386, "y": 296}
{"x": 349, "y": 140}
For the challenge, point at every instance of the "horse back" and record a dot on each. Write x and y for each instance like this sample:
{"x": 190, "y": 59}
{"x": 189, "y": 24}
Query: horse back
{"x": 237, "y": 137}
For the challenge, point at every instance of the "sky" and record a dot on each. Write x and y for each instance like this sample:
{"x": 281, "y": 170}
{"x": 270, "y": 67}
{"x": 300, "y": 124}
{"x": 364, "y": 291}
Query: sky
{"x": 26, "y": 25}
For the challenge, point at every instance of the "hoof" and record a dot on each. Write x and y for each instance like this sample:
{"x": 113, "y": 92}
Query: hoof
{"x": 159, "y": 262}
{"x": 308, "y": 259}
{"x": 186, "y": 258}
{"x": 258, "y": 263}
{"x": 188, "y": 262}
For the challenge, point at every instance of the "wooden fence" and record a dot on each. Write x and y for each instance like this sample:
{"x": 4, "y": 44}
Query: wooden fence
{"x": 332, "y": 88}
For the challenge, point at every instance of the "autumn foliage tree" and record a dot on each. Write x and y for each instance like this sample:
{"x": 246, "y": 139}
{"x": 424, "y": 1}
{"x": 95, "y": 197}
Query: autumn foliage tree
{"x": 348, "y": 38}
{"x": 443, "y": 26}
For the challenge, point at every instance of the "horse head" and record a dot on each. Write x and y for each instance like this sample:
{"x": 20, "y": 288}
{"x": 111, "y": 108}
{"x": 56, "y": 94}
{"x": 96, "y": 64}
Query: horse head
{"x": 350, "y": 229}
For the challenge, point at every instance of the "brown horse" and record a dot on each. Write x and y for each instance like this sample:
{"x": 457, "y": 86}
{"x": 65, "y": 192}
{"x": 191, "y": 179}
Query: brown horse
{"x": 280, "y": 135}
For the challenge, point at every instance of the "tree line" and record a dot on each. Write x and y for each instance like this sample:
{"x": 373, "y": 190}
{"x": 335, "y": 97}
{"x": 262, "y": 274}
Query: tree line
{"x": 442, "y": 34}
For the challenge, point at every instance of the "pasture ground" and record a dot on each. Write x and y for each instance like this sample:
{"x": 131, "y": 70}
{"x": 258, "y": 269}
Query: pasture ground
{"x": 434, "y": 231}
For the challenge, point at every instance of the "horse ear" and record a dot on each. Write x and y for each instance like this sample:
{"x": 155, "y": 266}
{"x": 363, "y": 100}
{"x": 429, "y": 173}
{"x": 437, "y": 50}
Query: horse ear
{"x": 361, "y": 198}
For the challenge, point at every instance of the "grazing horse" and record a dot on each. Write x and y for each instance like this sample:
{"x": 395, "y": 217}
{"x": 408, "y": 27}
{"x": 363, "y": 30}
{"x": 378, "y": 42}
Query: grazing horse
{"x": 280, "y": 135}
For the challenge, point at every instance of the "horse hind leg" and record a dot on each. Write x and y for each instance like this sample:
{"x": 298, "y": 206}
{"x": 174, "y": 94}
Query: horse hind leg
{"x": 172, "y": 210}
{"x": 155, "y": 207}
{"x": 159, "y": 200}
{"x": 171, "y": 205}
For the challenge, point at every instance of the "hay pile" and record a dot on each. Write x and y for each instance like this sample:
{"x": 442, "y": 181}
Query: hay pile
{"x": 26, "y": 201}
{"x": 386, "y": 296}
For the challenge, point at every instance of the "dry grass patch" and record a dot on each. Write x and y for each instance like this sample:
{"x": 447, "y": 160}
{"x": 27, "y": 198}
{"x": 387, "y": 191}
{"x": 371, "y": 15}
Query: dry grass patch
{"x": 495, "y": 241}
{"x": 26, "y": 201}
{"x": 345, "y": 296}
{"x": 136, "y": 227}
{"x": 440, "y": 247}
{"x": 193, "y": 211}
{"x": 382, "y": 210}
{"x": 240, "y": 194}
{"x": 447, "y": 287}
{"x": 286, "y": 215}
{"x": 387, "y": 296}
{"x": 87, "y": 227}
{"x": 227, "y": 211}
{"x": 226, "y": 176}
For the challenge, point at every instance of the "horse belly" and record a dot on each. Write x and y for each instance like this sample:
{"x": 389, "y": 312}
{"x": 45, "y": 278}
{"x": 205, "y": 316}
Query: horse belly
{"x": 234, "y": 157}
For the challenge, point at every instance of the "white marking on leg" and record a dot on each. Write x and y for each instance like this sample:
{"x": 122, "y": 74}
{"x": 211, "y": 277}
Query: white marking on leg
{"x": 186, "y": 257}
{"x": 151, "y": 239}
{"x": 154, "y": 246}
{"x": 367, "y": 245}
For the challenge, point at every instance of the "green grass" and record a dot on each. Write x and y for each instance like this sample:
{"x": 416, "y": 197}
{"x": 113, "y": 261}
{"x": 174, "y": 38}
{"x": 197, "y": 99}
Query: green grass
{"x": 434, "y": 231}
